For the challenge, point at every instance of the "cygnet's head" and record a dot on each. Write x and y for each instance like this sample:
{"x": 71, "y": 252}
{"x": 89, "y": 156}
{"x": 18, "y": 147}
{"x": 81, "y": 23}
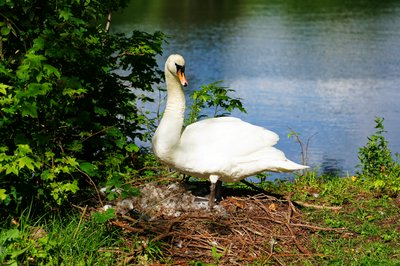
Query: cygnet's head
{"x": 176, "y": 66}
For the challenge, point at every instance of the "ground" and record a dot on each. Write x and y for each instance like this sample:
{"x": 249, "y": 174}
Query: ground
{"x": 245, "y": 228}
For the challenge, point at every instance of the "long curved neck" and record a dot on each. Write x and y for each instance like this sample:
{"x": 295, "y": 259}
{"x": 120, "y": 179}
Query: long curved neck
{"x": 169, "y": 130}
{"x": 175, "y": 97}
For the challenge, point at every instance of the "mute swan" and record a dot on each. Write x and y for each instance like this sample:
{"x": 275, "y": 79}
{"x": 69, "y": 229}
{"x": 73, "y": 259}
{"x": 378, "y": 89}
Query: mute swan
{"x": 224, "y": 148}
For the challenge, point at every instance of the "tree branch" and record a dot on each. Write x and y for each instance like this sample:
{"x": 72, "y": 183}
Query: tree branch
{"x": 108, "y": 23}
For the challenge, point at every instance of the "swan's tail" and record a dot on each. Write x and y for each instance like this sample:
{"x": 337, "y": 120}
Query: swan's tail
{"x": 274, "y": 160}
{"x": 289, "y": 166}
{"x": 269, "y": 159}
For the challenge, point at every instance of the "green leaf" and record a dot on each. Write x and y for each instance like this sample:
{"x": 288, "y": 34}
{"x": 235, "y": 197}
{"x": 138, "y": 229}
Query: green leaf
{"x": 102, "y": 217}
{"x": 35, "y": 59}
{"x": 16, "y": 253}
{"x": 129, "y": 191}
{"x": 65, "y": 14}
{"x": 113, "y": 132}
{"x": 12, "y": 169}
{"x": 38, "y": 44}
{"x": 3, "y": 88}
{"x": 51, "y": 70}
{"x": 93, "y": 40}
{"x": 47, "y": 175}
{"x": 11, "y": 234}
{"x": 23, "y": 149}
{"x": 88, "y": 168}
{"x": 76, "y": 146}
{"x": 100, "y": 111}
{"x": 74, "y": 92}
{"x": 29, "y": 109}
{"x": 23, "y": 72}
{"x": 70, "y": 161}
{"x": 215, "y": 253}
{"x": 26, "y": 162}
{"x": 35, "y": 89}
{"x": 5, "y": 31}
{"x": 3, "y": 194}
{"x": 60, "y": 190}
{"x": 132, "y": 148}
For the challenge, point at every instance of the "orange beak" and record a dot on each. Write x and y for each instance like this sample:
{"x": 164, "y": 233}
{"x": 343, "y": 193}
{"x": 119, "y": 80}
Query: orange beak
{"x": 182, "y": 77}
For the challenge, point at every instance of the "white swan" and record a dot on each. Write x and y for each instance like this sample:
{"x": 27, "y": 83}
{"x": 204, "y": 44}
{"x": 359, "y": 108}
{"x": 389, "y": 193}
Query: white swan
{"x": 224, "y": 148}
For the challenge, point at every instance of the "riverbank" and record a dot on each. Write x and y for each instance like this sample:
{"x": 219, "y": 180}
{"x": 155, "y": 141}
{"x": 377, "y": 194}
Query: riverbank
{"x": 316, "y": 220}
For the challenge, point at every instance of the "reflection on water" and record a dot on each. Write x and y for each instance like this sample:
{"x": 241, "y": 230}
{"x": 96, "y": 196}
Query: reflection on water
{"x": 326, "y": 67}
{"x": 331, "y": 166}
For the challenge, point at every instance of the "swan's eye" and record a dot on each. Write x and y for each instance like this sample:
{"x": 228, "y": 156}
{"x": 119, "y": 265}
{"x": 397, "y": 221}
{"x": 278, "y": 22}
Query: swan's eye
{"x": 180, "y": 68}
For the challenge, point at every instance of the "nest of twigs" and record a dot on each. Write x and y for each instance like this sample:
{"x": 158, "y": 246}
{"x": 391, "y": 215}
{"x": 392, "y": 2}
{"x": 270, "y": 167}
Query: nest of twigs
{"x": 242, "y": 230}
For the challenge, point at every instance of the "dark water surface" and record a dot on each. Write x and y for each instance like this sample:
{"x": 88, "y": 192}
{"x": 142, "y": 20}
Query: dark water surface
{"x": 325, "y": 67}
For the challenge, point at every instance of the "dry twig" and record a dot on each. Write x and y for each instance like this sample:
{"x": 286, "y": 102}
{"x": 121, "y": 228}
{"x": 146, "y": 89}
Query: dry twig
{"x": 242, "y": 234}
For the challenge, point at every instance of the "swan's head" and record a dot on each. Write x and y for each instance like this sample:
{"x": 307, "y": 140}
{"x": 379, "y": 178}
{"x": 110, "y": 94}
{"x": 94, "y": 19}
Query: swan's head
{"x": 176, "y": 66}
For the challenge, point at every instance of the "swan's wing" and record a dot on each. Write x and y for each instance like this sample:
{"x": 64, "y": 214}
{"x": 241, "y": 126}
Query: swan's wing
{"x": 230, "y": 148}
{"x": 225, "y": 136}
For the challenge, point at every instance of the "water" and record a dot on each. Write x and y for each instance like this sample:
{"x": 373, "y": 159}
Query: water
{"x": 318, "y": 67}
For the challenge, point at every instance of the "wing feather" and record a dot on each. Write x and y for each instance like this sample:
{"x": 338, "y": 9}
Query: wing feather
{"x": 226, "y": 136}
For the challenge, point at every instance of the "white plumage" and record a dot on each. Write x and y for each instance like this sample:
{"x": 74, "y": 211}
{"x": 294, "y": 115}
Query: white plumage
{"x": 225, "y": 148}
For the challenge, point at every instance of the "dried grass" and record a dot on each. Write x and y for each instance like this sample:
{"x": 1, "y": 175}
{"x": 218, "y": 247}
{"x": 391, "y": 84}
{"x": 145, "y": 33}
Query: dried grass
{"x": 256, "y": 228}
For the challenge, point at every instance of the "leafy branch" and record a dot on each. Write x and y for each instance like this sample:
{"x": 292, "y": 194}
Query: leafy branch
{"x": 216, "y": 97}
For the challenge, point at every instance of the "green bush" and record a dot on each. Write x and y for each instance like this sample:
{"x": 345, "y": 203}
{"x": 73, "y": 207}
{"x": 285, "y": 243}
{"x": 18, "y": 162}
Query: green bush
{"x": 375, "y": 157}
{"x": 377, "y": 164}
{"x": 67, "y": 118}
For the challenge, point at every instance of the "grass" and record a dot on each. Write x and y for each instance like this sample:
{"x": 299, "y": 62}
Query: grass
{"x": 371, "y": 237}
{"x": 57, "y": 240}
{"x": 71, "y": 238}
{"x": 371, "y": 219}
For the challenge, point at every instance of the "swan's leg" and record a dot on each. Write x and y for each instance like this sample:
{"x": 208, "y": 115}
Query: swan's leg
{"x": 218, "y": 191}
{"x": 213, "y": 179}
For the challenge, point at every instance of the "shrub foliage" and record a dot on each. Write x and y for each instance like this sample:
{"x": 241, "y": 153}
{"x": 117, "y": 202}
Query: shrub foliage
{"x": 377, "y": 164}
{"x": 67, "y": 118}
